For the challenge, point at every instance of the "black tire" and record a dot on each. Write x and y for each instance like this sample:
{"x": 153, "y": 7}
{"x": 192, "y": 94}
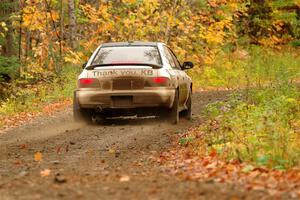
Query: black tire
{"x": 81, "y": 114}
{"x": 188, "y": 113}
{"x": 174, "y": 114}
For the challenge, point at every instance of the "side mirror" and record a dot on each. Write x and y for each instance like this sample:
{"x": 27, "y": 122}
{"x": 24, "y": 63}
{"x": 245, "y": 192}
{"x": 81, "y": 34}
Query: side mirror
{"x": 84, "y": 65}
{"x": 187, "y": 65}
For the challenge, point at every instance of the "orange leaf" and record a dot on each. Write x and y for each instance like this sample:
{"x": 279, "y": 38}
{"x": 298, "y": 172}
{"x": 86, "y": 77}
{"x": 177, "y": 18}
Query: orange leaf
{"x": 45, "y": 172}
{"x": 124, "y": 178}
{"x": 213, "y": 153}
{"x": 38, "y": 156}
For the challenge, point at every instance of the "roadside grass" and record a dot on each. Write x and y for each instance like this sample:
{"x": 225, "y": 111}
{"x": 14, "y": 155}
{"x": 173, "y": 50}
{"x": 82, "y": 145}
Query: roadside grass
{"x": 260, "y": 124}
{"x": 33, "y": 98}
{"x": 262, "y": 129}
{"x": 254, "y": 66}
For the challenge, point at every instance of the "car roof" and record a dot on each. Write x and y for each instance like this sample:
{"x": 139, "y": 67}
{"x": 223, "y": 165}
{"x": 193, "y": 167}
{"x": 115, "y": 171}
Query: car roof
{"x": 130, "y": 43}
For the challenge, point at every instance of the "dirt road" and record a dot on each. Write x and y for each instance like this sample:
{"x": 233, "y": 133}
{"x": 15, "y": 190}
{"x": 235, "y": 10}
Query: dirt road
{"x": 112, "y": 161}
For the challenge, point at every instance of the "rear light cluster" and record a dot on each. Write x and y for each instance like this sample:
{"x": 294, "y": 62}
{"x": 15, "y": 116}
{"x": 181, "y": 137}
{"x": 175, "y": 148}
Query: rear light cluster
{"x": 88, "y": 83}
{"x": 158, "y": 81}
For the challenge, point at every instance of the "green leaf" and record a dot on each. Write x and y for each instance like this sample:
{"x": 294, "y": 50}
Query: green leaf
{"x": 247, "y": 168}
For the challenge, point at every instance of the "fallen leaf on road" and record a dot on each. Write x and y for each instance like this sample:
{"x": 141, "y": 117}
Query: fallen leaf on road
{"x": 23, "y": 146}
{"x": 45, "y": 172}
{"x": 18, "y": 162}
{"x": 125, "y": 178}
{"x": 38, "y": 156}
{"x": 112, "y": 151}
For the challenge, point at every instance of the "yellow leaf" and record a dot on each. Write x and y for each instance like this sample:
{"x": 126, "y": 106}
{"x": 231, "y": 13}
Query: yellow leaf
{"x": 112, "y": 151}
{"x": 129, "y": 1}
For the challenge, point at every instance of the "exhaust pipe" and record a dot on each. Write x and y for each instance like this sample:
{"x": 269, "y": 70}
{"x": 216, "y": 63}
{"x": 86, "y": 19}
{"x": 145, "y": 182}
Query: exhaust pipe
{"x": 99, "y": 109}
{"x": 97, "y": 117}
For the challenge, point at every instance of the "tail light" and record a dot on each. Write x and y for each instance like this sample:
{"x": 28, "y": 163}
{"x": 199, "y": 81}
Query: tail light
{"x": 158, "y": 81}
{"x": 88, "y": 83}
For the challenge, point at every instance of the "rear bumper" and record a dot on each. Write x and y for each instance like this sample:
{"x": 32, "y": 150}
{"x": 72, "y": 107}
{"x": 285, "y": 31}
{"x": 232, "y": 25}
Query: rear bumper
{"x": 154, "y": 97}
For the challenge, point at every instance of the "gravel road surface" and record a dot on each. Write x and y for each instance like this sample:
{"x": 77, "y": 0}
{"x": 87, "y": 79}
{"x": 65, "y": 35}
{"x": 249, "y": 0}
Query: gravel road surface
{"x": 110, "y": 161}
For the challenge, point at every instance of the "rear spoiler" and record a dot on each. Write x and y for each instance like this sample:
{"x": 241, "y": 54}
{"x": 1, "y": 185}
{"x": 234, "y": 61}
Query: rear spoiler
{"x": 154, "y": 66}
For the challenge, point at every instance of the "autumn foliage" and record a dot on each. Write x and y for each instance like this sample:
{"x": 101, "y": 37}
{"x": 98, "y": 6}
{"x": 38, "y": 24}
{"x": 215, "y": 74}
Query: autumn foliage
{"x": 46, "y": 33}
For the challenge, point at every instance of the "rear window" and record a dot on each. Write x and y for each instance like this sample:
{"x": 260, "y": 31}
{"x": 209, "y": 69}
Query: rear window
{"x": 128, "y": 54}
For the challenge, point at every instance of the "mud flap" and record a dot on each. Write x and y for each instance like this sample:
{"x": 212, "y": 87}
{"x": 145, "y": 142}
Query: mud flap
{"x": 174, "y": 114}
{"x": 80, "y": 114}
{"x": 188, "y": 112}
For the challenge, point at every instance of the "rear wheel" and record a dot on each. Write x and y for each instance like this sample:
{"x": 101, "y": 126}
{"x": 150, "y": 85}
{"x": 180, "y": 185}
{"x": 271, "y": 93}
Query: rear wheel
{"x": 174, "y": 114}
{"x": 188, "y": 113}
{"x": 81, "y": 114}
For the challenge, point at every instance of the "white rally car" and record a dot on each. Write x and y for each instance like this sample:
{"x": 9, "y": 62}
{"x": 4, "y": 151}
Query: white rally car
{"x": 133, "y": 78}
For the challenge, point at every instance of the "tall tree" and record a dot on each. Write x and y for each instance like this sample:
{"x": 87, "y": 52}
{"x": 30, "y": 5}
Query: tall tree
{"x": 7, "y": 8}
{"x": 170, "y": 19}
{"x": 72, "y": 23}
{"x": 61, "y": 26}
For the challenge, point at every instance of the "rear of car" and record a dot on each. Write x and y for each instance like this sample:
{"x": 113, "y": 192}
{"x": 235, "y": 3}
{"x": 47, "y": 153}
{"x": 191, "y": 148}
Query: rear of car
{"x": 123, "y": 77}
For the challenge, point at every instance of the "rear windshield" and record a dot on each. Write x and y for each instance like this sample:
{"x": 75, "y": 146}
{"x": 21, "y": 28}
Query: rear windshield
{"x": 128, "y": 54}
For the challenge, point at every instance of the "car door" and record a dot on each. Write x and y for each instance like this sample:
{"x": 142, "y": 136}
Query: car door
{"x": 184, "y": 86}
{"x": 180, "y": 75}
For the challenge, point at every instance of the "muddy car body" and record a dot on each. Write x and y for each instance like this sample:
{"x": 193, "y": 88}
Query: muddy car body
{"x": 133, "y": 77}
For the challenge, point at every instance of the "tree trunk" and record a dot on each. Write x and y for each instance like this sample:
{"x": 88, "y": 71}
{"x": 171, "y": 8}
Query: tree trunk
{"x": 20, "y": 29}
{"x": 168, "y": 27}
{"x": 61, "y": 28}
{"x": 28, "y": 46}
{"x": 9, "y": 51}
{"x": 72, "y": 23}
{"x": 9, "y": 8}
